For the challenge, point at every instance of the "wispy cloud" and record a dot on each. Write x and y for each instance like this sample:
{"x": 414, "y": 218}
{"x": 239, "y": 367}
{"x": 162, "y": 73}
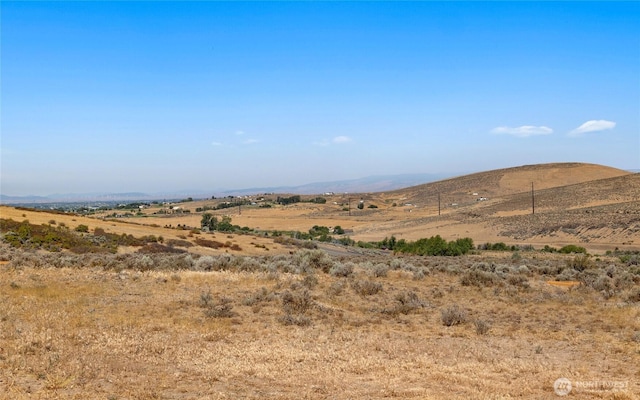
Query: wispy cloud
{"x": 335, "y": 140}
{"x": 216, "y": 144}
{"x": 341, "y": 139}
{"x": 522, "y": 131}
{"x": 239, "y": 133}
{"x": 593, "y": 126}
{"x": 251, "y": 141}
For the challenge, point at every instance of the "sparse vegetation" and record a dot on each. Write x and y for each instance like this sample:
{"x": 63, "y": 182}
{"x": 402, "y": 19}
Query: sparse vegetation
{"x": 482, "y": 326}
{"x": 580, "y": 262}
{"x": 309, "y": 290}
{"x": 480, "y": 278}
{"x": 220, "y": 308}
{"x": 453, "y": 315}
{"x": 405, "y": 303}
{"x": 295, "y": 306}
{"x": 365, "y": 287}
{"x": 342, "y": 269}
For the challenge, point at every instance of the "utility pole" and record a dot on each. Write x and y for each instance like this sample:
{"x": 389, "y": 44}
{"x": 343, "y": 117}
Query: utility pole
{"x": 533, "y": 201}
{"x": 438, "y": 203}
{"x": 349, "y": 206}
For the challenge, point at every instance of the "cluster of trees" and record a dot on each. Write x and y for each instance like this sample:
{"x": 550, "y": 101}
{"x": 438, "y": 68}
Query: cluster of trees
{"x": 288, "y": 200}
{"x": 361, "y": 205}
{"x": 204, "y": 208}
{"x": 224, "y": 205}
{"x": 568, "y": 249}
{"x": 133, "y": 206}
{"x": 212, "y": 223}
{"x": 322, "y": 233}
{"x": 500, "y": 246}
{"x": 279, "y": 200}
{"x": 435, "y": 246}
{"x": 319, "y": 233}
{"x": 297, "y": 199}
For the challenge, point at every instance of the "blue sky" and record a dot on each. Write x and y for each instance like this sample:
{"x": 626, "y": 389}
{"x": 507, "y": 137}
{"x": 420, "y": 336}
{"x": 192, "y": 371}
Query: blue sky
{"x": 169, "y": 96}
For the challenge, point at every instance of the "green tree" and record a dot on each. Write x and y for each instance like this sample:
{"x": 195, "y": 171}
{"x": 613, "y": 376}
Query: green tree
{"x": 209, "y": 221}
{"x": 318, "y": 230}
{"x": 225, "y": 224}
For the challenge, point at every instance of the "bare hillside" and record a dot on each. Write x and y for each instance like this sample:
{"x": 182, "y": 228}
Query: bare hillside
{"x": 575, "y": 203}
{"x": 503, "y": 182}
{"x": 600, "y": 214}
{"x": 621, "y": 189}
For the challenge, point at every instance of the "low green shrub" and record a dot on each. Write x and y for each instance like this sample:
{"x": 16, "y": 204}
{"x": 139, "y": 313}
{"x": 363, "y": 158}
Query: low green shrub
{"x": 572, "y": 248}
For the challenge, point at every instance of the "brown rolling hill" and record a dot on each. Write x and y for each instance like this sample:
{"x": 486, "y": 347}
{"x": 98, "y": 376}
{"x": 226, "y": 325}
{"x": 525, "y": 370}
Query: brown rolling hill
{"x": 572, "y": 203}
{"x": 508, "y": 181}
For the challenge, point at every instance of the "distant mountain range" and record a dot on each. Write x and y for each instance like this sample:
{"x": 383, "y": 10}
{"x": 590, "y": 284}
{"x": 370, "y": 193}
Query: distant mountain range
{"x": 362, "y": 185}
{"x": 381, "y": 183}
{"x": 75, "y": 197}
{"x": 371, "y": 184}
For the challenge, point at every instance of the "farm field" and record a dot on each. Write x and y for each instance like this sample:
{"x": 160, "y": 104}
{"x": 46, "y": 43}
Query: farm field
{"x": 173, "y": 312}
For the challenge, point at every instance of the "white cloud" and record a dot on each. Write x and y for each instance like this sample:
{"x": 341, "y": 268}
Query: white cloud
{"x": 321, "y": 143}
{"x": 216, "y": 144}
{"x": 341, "y": 139}
{"x": 250, "y": 141}
{"x": 239, "y": 133}
{"x": 522, "y": 131}
{"x": 593, "y": 126}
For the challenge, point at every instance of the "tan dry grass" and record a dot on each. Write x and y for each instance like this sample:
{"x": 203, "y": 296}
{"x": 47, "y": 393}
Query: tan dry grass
{"x": 564, "y": 284}
{"x": 89, "y": 333}
{"x": 139, "y": 227}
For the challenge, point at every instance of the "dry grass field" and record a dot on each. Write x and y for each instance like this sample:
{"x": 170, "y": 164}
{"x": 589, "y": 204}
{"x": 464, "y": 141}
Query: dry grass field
{"x": 262, "y": 318}
{"x": 485, "y": 327}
